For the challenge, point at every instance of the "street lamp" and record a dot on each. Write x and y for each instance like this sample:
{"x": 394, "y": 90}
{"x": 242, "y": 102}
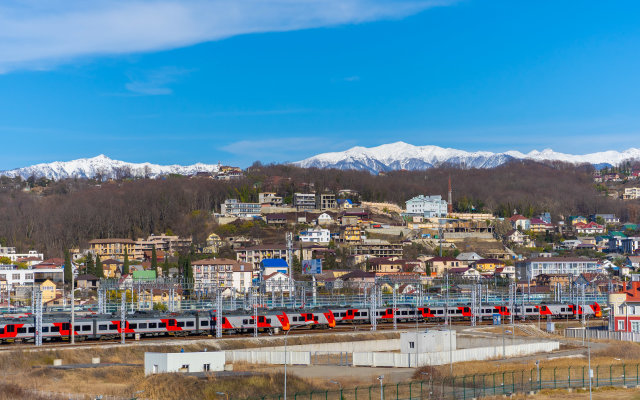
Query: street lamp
{"x": 380, "y": 378}
{"x": 291, "y": 327}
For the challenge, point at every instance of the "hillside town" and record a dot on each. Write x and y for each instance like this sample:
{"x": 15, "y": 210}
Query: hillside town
{"x": 421, "y": 243}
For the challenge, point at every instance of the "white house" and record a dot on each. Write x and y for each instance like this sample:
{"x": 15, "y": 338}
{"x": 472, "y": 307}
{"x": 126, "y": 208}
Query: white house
{"x": 277, "y": 282}
{"x": 427, "y": 206}
{"x": 315, "y": 235}
{"x": 469, "y": 256}
{"x": 325, "y": 219}
{"x": 201, "y": 361}
{"x": 222, "y": 273}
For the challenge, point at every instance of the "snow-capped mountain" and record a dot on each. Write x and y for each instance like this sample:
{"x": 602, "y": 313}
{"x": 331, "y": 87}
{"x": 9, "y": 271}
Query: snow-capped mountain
{"x": 105, "y": 167}
{"x": 400, "y": 155}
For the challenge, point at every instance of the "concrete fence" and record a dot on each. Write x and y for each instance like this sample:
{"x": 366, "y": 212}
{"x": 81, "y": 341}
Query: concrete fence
{"x": 580, "y": 333}
{"x": 269, "y": 357}
{"x": 400, "y": 360}
{"x": 350, "y": 347}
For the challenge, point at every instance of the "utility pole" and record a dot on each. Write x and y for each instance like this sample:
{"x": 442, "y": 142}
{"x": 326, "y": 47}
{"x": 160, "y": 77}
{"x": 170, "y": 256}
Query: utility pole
{"x": 219, "y": 314}
{"x": 73, "y": 308}
{"x": 37, "y": 303}
{"x": 123, "y": 316}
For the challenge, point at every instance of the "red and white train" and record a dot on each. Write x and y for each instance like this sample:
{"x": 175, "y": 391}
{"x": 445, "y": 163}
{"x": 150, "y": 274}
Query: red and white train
{"x": 96, "y": 327}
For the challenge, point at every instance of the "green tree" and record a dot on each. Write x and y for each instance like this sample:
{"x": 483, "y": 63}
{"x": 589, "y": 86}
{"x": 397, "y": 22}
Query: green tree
{"x": 125, "y": 263}
{"x": 99, "y": 270}
{"x": 165, "y": 266}
{"x": 160, "y": 307}
{"x": 89, "y": 266}
{"x": 68, "y": 268}
{"x": 5, "y": 261}
{"x": 154, "y": 259}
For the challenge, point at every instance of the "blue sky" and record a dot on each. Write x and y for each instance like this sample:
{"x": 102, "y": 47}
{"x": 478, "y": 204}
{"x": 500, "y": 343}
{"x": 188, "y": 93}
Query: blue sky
{"x": 242, "y": 80}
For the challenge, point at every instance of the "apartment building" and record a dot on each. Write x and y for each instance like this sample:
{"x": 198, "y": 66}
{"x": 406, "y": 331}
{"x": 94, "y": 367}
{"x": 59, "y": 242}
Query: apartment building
{"x": 530, "y": 269}
{"x": 165, "y": 243}
{"x": 326, "y": 201}
{"x": 234, "y": 208}
{"x": 215, "y": 273}
{"x": 114, "y": 248}
{"x": 315, "y": 235}
{"x": 631, "y": 193}
{"x": 255, "y": 254}
{"x": 377, "y": 248}
{"x": 270, "y": 198}
{"x": 304, "y": 201}
{"x": 10, "y": 253}
{"x": 427, "y": 206}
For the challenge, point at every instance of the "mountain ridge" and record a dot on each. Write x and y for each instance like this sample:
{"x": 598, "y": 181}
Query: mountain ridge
{"x": 105, "y": 167}
{"x": 401, "y": 155}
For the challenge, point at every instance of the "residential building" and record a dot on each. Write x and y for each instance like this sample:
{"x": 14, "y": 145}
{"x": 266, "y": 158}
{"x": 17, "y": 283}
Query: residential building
{"x": 537, "y": 225}
{"x": 87, "y": 281}
{"x": 427, "y": 206}
{"x": 270, "y": 265}
{"x": 166, "y": 243}
{"x": 608, "y": 219}
{"x": 577, "y": 219}
{"x": 440, "y": 265}
{"x": 49, "y": 290}
{"x": 113, "y": 248}
{"x": 546, "y": 217}
{"x": 632, "y": 262}
{"x": 487, "y": 264}
{"x": 625, "y": 308}
{"x": 326, "y": 201}
{"x": 590, "y": 228}
{"x": 520, "y": 222}
{"x": 468, "y": 257}
{"x": 352, "y": 234}
{"x": 377, "y": 248}
{"x": 530, "y": 269}
{"x": 111, "y": 268}
{"x": 234, "y": 208}
{"x": 552, "y": 280}
{"x": 315, "y": 235}
{"x": 344, "y": 203}
{"x": 211, "y": 274}
{"x": 270, "y": 198}
{"x": 381, "y": 265}
{"x": 630, "y": 245}
{"x": 277, "y": 219}
{"x": 631, "y": 193}
{"x": 464, "y": 272}
{"x": 12, "y": 276}
{"x": 277, "y": 282}
{"x": 255, "y": 254}
{"x": 214, "y": 243}
{"x": 10, "y": 253}
{"x": 518, "y": 238}
{"x": 304, "y": 201}
{"x": 325, "y": 219}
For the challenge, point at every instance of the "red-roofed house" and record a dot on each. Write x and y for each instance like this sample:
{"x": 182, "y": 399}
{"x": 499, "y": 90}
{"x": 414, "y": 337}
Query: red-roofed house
{"x": 520, "y": 222}
{"x": 589, "y": 229}
{"x": 625, "y": 307}
{"x": 539, "y": 226}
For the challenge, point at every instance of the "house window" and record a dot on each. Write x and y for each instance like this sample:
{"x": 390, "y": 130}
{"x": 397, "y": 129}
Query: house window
{"x": 635, "y": 326}
{"x": 621, "y": 325}
{"x": 412, "y": 345}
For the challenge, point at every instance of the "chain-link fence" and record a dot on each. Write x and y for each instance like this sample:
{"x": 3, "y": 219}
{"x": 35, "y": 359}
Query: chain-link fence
{"x": 482, "y": 385}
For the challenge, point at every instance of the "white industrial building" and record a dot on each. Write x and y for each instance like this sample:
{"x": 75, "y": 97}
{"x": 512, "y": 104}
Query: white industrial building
{"x": 203, "y": 361}
{"x": 427, "y": 206}
{"x": 529, "y": 269}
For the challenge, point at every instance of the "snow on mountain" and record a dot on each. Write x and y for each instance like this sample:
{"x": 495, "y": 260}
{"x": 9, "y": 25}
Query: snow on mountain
{"x": 400, "y": 155}
{"x": 106, "y": 167}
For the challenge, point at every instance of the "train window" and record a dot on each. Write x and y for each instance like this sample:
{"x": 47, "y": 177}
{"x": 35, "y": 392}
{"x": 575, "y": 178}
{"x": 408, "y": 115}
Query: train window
{"x": 189, "y": 323}
{"x": 86, "y": 328}
{"x": 180, "y": 324}
{"x": 343, "y": 314}
{"x": 405, "y": 313}
{"x": 204, "y": 323}
{"x": 529, "y": 310}
{"x": 11, "y": 328}
{"x": 102, "y": 327}
{"x": 261, "y": 319}
{"x": 65, "y": 326}
{"x": 142, "y": 325}
{"x": 153, "y": 325}
{"x": 22, "y": 330}
{"x": 294, "y": 319}
{"x": 133, "y": 326}
{"x": 268, "y": 320}
{"x": 112, "y": 327}
{"x": 315, "y": 318}
{"x": 32, "y": 330}
{"x": 458, "y": 311}
{"x": 365, "y": 313}
{"x": 440, "y": 312}
{"x": 162, "y": 325}
{"x": 45, "y": 329}
{"x": 55, "y": 329}
{"x": 245, "y": 321}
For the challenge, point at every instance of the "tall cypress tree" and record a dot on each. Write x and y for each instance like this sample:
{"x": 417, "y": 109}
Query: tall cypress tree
{"x": 165, "y": 266}
{"x": 68, "y": 268}
{"x": 154, "y": 259}
{"x": 99, "y": 270}
{"x": 88, "y": 265}
{"x": 125, "y": 264}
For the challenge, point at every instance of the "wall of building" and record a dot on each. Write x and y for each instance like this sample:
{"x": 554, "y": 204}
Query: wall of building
{"x": 269, "y": 357}
{"x": 173, "y": 362}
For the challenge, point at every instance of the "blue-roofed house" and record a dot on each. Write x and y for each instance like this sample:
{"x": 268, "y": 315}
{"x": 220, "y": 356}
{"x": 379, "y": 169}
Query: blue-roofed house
{"x": 269, "y": 266}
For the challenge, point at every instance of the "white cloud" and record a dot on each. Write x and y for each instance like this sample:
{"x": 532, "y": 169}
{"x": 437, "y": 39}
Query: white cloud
{"x": 40, "y": 34}
{"x": 155, "y": 82}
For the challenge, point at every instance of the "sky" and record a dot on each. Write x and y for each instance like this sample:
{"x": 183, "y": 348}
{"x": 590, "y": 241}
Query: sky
{"x": 235, "y": 81}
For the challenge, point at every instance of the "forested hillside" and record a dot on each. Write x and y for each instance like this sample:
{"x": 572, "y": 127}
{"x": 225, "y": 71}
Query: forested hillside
{"x": 64, "y": 214}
